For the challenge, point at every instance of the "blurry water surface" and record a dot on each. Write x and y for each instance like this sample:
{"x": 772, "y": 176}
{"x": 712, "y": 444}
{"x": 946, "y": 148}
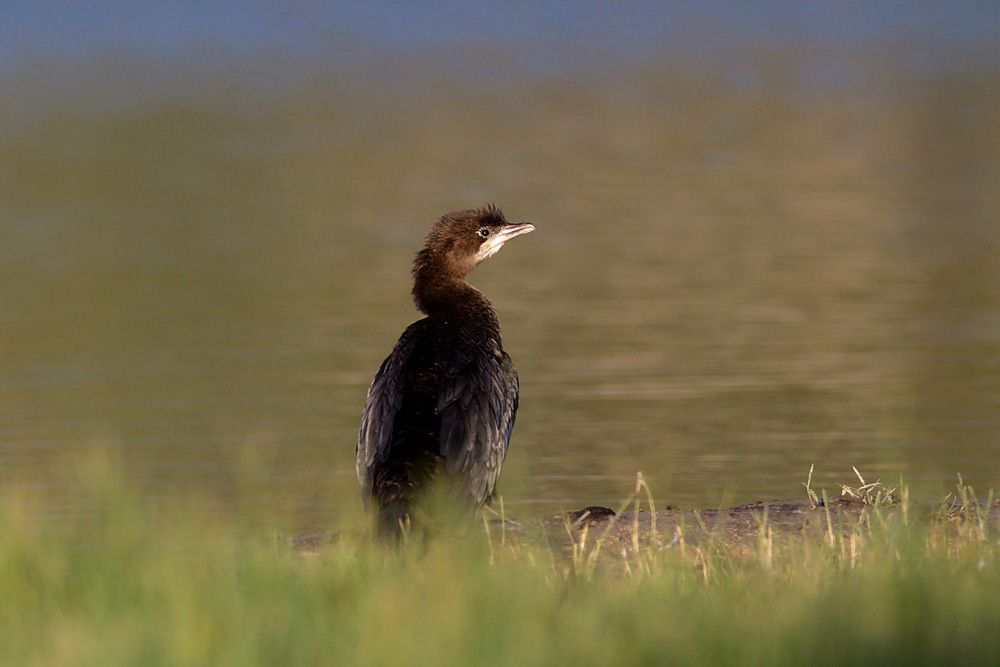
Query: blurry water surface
{"x": 733, "y": 277}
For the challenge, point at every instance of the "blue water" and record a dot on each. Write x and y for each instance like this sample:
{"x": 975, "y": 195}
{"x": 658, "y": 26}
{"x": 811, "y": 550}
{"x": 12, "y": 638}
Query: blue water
{"x": 549, "y": 34}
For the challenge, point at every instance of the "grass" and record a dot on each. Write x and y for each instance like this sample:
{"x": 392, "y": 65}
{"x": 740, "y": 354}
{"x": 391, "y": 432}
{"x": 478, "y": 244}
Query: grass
{"x": 209, "y": 251}
{"x": 179, "y": 587}
{"x": 870, "y": 493}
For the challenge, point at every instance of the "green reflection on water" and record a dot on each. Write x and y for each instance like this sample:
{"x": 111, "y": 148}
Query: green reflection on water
{"x": 726, "y": 285}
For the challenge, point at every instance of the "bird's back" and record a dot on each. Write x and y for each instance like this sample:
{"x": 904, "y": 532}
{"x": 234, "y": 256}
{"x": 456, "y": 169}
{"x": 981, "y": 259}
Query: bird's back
{"x": 444, "y": 401}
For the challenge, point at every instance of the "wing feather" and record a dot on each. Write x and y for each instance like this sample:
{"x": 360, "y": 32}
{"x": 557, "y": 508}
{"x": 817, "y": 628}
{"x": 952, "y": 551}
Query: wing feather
{"x": 385, "y": 400}
{"x": 477, "y": 403}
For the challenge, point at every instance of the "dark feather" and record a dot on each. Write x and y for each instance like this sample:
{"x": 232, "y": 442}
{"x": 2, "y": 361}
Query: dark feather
{"x": 475, "y": 404}
{"x": 385, "y": 400}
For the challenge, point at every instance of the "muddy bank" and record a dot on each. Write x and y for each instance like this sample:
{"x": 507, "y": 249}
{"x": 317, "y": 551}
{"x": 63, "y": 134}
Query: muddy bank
{"x": 740, "y": 529}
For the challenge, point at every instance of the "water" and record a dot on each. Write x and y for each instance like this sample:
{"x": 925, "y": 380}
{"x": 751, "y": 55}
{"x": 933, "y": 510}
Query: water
{"x": 730, "y": 281}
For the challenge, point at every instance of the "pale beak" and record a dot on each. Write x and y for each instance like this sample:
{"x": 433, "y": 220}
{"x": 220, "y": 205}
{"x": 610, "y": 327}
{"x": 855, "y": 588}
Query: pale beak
{"x": 506, "y": 233}
{"x": 510, "y": 231}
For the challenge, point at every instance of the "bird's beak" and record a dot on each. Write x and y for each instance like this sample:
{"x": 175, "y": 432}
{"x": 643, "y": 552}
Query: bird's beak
{"x": 496, "y": 241}
{"x": 510, "y": 231}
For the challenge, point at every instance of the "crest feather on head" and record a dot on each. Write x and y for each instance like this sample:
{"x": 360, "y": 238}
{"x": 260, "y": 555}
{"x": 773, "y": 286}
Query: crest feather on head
{"x": 487, "y": 215}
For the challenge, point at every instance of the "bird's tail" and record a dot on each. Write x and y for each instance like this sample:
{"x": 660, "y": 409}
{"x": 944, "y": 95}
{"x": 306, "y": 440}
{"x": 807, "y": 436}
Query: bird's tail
{"x": 394, "y": 520}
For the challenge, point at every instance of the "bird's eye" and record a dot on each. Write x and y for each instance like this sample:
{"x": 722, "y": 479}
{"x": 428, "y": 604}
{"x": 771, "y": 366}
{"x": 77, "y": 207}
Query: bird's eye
{"x": 484, "y": 232}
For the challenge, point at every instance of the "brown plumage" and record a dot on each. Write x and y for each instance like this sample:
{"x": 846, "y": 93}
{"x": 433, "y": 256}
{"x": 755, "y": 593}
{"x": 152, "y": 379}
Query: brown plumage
{"x": 443, "y": 403}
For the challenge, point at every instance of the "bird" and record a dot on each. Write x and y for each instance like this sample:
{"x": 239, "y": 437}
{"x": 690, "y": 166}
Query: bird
{"x": 442, "y": 405}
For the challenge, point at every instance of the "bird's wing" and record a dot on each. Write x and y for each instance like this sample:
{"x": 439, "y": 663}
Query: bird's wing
{"x": 385, "y": 399}
{"x": 477, "y": 403}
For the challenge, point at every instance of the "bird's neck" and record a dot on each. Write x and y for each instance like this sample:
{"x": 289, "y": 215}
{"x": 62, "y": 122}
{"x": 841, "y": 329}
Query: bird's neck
{"x": 440, "y": 291}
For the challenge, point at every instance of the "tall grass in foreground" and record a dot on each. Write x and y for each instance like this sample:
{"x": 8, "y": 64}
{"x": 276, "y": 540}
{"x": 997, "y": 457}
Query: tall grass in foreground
{"x": 179, "y": 587}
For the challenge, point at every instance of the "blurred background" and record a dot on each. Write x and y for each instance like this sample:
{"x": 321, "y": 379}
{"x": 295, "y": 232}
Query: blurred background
{"x": 767, "y": 238}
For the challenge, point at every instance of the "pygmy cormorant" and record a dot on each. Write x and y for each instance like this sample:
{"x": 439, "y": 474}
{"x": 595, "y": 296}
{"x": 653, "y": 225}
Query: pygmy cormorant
{"x": 442, "y": 405}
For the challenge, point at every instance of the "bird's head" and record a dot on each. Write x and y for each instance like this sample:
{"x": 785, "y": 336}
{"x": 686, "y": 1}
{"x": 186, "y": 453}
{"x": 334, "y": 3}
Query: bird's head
{"x": 462, "y": 239}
